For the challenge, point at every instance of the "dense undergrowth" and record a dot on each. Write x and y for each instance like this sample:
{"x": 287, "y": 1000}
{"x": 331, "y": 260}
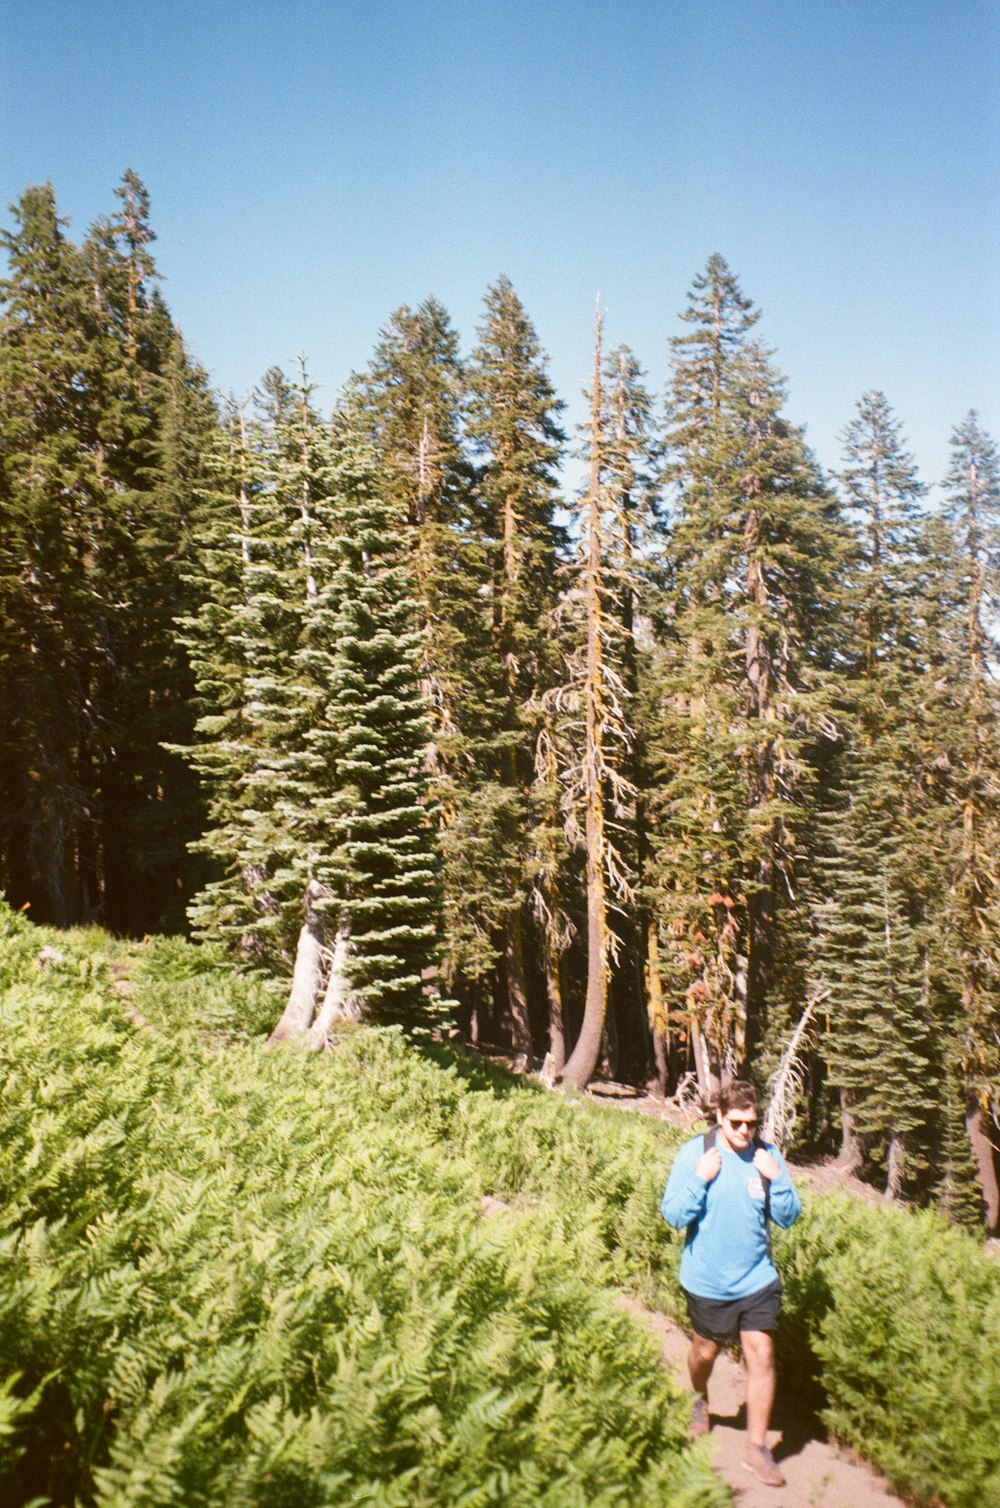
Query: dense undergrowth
{"x": 232, "y": 1276}
{"x": 235, "y": 1276}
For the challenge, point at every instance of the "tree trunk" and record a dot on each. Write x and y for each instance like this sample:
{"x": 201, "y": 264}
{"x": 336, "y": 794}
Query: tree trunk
{"x": 338, "y": 1002}
{"x": 656, "y": 1084}
{"x": 850, "y": 1151}
{"x": 553, "y": 990}
{"x": 985, "y": 1153}
{"x": 741, "y": 989}
{"x": 307, "y": 975}
{"x": 583, "y": 1058}
{"x": 895, "y": 1161}
{"x": 517, "y": 998}
{"x": 657, "y": 1080}
{"x": 706, "y": 1070}
{"x": 546, "y": 906}
{"x": 760, "y": 676}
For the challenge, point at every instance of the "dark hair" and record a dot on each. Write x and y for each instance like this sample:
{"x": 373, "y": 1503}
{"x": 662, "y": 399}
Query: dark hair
{"x": 738, "y": 1094}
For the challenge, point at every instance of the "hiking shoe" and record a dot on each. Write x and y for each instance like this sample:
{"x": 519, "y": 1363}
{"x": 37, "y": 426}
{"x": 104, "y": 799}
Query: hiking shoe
{"x": 700, "y": 1424}
{"x": 760, "y": 1461}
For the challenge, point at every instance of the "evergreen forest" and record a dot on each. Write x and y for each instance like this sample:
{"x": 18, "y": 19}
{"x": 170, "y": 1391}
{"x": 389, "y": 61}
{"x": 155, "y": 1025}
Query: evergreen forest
{"x": 688, "y": 771}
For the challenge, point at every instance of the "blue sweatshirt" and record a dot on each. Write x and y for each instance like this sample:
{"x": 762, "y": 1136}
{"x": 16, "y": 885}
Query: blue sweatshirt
{"x": 725, "y": 1254}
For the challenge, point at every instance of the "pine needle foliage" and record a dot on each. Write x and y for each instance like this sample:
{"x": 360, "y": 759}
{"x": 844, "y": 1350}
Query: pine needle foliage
{"x": 370, "y": 818}
{"x": 972, "y": 510}
{"x": 747, "y": 695}
{"x": 879, "y": 1049}
{"x": 103, "y": 420}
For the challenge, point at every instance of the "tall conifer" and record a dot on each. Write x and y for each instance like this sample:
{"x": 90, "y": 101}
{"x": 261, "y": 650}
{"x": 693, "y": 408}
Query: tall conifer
{"x": 972, "y": 508}
{"x": 46, "y": 474}
{"x": 258, "y": 560}
{"x": 372, "y": 822}
{"x": 755, "y": 546}
{"x": 513, "y": 424}
{"x": 880, "y": 1044}
{"x": 90, "y": 359}
{"x": 597, "y": 732}
{"x": 413, "y": 398}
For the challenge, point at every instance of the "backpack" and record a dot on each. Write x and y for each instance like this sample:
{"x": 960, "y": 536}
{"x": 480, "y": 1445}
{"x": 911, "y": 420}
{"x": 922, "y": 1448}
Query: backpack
{"x": 707, "y": 1142}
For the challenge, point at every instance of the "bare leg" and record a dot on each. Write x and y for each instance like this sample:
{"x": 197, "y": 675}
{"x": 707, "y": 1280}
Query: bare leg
{"x": 758, "y": 1351}
{"x": 701, "y": 1360}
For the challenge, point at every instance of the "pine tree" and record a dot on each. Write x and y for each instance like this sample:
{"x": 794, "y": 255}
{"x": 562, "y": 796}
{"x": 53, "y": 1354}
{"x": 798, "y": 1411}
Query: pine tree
{"x": 636, "y": 1025}
{"x": 871, "y": 959}
{"x": 883, "y": 496}
{"x": 746, "y": 694}
{"x": 220, "y": 749}
{"x": 163, "y": 829}
{"x": 258, "y": 583}
{"x": 356, "y": 800}
{"x": 413, "y": 398}
{"x": 934, "y": 835}
{"x": 382, "y": 869}
{"x": 600, "y": 798}
{"x": 313, "y": 730}
{"x": 512, "y": 422}
{"x": 898, "y": 641}
{"x": 47, "y": 423}
{"x": 972, "y": 509}
{"x": 92, "y": 364}
{"x": 957, "y": 1191}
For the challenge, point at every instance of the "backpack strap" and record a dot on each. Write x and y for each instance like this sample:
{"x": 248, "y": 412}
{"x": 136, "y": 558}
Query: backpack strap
{"x": 708, "y": 1141}
{"x": 758, "y": 1142}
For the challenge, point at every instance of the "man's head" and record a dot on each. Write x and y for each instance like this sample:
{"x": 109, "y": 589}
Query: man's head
{"x": 738, "y": 1113}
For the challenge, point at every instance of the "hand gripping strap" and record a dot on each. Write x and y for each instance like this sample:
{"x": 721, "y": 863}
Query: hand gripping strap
{"x": 707, "y": 1142}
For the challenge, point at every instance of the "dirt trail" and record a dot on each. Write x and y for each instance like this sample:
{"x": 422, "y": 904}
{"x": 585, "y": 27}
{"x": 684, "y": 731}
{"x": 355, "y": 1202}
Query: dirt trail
{"x": 819, "y": 1474}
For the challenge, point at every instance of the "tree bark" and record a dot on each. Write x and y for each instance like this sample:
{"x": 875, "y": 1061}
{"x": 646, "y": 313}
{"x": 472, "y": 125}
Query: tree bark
{"x": 985, "y": 1153}
{"x": 307, "y": 975}
{"x": 338, "y": 1002}
{"x": 894, "y": 1169}
{"x": 583, "y": 1058}
{"x": 850, "y": 1151}
{"x": 656, "y": 1084}
{"x": 517, "y": 997}
{"x": 657, "y": 1080}
{"x": 706, "y": 1071}
{"x": 553, "y": 991}
{"x": 760, "y": 676}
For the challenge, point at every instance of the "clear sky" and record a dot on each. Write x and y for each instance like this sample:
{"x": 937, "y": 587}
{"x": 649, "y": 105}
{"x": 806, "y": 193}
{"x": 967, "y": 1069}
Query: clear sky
{"x": 313, "y": 164}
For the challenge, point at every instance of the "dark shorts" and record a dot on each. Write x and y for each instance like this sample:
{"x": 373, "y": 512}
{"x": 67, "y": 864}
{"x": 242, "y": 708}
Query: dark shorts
{"x": 723, "y": 1319}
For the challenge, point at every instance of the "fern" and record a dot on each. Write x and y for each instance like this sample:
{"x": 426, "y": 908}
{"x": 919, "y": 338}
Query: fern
{"x": 244, "y": 1277}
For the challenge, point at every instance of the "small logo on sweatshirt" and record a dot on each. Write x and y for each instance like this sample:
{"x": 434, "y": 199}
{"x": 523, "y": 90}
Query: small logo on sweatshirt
{"x": 755, "y": 1188}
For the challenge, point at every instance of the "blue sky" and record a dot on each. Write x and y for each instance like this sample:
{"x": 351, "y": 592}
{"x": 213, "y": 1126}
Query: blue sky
{"x": 314, "y": 164}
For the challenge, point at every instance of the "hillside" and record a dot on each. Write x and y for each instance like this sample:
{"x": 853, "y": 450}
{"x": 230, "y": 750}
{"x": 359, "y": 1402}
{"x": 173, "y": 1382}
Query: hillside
{"x": 239, "y": 1275}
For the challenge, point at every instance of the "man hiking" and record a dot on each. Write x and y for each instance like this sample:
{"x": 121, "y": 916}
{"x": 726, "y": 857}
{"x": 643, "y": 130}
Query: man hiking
{"x": 726, "y": 1187}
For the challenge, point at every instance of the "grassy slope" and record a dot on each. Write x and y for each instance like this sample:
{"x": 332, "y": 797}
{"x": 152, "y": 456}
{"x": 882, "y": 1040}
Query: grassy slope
{"x": 234, "y": 1276}
{"x": 375, "y": 1337}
